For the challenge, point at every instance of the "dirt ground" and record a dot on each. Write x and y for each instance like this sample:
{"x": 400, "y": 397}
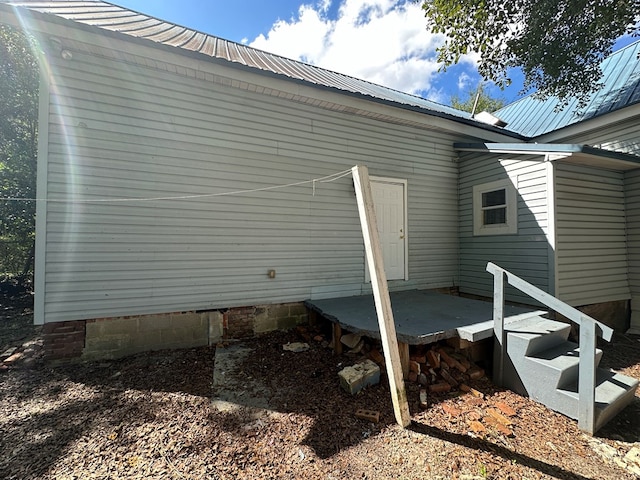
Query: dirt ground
{"x": 152, "y": 416}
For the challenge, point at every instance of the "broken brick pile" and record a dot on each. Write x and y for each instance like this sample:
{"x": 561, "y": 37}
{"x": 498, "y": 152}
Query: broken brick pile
{"x": 441, "y": 369}
{"x": 483, "y": 417}
{"x": 25, "y": 354}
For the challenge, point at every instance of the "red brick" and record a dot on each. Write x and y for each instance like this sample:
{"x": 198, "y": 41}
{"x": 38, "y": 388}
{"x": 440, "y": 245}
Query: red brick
{"x": 433, "y": 358}
{"x": 451, "y": 410}
{"x": 506, "y": 409}
{"x": 418, "y": 358}
{"x": 440, "y": 387}
{"x": 414, "y": 367}
{"x": 477, "y": 427}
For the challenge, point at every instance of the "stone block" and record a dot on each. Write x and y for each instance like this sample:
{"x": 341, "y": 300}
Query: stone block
{"x": 95, "y": 344}
{"x": 279, "y": 311}
{"x": 287, "y": 323}
{"x": 216, "y": 327}
{"x": 264, "y": 322}
{"x": 191, "y": 321}
{"x": 118, "y": 326}
{"x": 355, "y": 378}
{"x": 156, "y": 322}
{"x": 297, "y": 310}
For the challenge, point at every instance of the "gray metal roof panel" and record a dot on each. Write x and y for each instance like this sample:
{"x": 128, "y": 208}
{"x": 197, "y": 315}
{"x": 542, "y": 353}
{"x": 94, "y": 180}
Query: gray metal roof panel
{"x": 111, "y": 17}
{"x": 621, "y": 79}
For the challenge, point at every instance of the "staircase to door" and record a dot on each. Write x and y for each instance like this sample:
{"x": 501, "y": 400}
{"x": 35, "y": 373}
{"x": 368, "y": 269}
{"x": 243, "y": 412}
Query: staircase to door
{"x": 534, "y": 357}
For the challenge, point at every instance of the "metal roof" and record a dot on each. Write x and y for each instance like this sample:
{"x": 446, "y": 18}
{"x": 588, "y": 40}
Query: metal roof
{"x": 621, "y": 78}
{"x": 113, "y": 18}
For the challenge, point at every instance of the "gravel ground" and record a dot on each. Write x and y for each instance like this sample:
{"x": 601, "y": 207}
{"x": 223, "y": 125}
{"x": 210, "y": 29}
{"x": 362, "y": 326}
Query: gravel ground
{"x": 151, "y": 416}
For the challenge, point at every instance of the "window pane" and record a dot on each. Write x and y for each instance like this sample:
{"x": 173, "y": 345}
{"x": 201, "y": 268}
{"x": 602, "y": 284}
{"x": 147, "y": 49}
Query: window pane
{"x": 495, "y": 198}
{"x": 495, "y": 216}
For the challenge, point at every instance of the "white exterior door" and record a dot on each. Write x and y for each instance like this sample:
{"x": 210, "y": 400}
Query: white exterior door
{"x": 389, "y": 201}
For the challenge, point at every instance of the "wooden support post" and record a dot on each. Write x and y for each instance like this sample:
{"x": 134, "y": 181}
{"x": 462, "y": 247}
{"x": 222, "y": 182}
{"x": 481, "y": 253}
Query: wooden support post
{"x": 403, "y": 349}
{"x": 337, "y": 335}
{"x": 587, "y": 377}
{"x": 373, "y": 252}
{"x": 500, "y": 347}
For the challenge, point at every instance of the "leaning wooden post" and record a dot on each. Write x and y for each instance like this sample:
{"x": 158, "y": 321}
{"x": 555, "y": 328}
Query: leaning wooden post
{"x": 381, "y": 294}
{"x": 500, "y": 347}
{"x": 587, "y": 376}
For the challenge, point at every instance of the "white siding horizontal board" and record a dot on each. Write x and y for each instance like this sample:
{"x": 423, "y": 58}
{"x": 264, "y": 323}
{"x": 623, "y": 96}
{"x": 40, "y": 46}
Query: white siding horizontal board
{"x": 368, "y": 145}
{"x": 617, "y": 288}
{"x": 614, "y": 261}
{"x": 591, "y": 233}
{"x": 526, "y": 253}
{"x": 608, "y": 275}
{"x": 158, "y": 134}
{"x": 149, "y": 85}
{"x": 596, "y": 245}
{"x": 600, "y": 210}
{"x": 632, "y": 192}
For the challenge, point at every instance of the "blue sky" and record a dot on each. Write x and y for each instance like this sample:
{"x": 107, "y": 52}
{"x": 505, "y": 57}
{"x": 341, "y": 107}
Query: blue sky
{"x": 383, "y": 41}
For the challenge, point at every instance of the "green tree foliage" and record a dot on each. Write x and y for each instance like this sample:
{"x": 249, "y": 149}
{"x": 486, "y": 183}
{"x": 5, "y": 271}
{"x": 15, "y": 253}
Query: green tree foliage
{"x": 485, "y": 103}
{"x": 559, "y": 44}
{"x": 19, "y": 80}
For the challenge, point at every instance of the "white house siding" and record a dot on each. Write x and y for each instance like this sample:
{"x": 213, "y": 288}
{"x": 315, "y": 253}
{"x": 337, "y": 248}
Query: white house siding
{"x": 527, "y": 253}
{"x": 632, "y": 193}
{"x": 591, "y": 238}
{"x": 119, "y": 130}
{"x": 622, "y": 136}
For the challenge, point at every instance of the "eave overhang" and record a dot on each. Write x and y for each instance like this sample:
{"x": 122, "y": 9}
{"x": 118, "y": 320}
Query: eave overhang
{"x": 565, "y": 152}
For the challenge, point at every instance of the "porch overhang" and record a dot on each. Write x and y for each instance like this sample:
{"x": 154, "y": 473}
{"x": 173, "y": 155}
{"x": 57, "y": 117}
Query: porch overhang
{"x": 565, "y": 152}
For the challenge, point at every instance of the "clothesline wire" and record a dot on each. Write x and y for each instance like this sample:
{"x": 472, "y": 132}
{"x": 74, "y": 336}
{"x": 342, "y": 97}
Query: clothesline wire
{"x": 326, "y": 179}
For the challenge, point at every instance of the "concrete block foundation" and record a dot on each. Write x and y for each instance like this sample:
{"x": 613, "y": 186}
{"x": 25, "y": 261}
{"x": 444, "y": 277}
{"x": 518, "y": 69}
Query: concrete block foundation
{"x": 106, "y": 338}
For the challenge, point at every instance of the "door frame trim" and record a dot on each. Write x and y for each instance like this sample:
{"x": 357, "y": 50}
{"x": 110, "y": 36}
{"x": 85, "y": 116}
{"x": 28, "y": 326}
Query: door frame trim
{"x": 405, "y": 221}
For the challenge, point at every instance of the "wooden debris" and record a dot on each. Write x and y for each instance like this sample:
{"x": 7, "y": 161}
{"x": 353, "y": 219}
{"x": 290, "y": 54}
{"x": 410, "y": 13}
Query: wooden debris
{"x": 376, "y": 356}
{"x": 370, "y": 415}
{"x": 476, "y": 373}
{"x": 351, "y": 340}
{"x": 472, "y": 391}
{"x": 413, "y": 377}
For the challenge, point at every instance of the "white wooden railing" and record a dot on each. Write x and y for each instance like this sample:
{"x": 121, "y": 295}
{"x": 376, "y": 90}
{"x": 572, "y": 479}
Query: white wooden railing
{"x": 589, "y": 330}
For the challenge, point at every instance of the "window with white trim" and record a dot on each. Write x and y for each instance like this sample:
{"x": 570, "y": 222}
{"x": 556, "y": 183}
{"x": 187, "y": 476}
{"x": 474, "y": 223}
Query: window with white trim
{"x": 495, "y": 209}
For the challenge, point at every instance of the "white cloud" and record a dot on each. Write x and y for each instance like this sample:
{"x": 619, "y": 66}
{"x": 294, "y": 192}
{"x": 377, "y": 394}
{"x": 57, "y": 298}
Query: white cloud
{"x": 464, "y": 81}
{"x": 383, "y": 41}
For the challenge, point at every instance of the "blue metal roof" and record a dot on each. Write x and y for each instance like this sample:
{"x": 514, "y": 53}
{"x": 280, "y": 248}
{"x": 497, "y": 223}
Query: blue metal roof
{"x": 621, "y": 78}
{"x": 119, "y": 20}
